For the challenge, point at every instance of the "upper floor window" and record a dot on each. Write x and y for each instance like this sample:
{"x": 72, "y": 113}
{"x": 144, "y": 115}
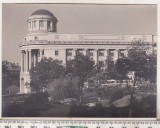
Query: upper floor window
{"x": 29, "y": 24}
{"x": 111, "y": 53}
{"x": 90, "y": 52}
{"x": 35, "y": 38}
{"x": 101, "y": 53}
{"x": 69, "y": 53}
{"x": 34, "y": 23}
{"x": 41, "y": 23}
{"x": 56, "y": 53}
{"x": 49, "y": 24}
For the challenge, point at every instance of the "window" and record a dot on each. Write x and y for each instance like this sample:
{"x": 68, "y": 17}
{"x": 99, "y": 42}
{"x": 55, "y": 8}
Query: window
{"x": 29, "y": 24}
{"x": 69, "y": 53}
{"x": 34, "y": 23}
{"x": 56, "y": 53}
{"x": 111, "y": 53}
{"x": 101, "y": 53}
{"x": 90, "y": 53}
{"x": 49, "y": 25}
{"x": 35, "y": 38}
{"x": 41, "y": 23}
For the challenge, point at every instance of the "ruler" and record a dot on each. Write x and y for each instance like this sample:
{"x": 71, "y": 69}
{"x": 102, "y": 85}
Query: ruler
{"x": 78, "y": 124}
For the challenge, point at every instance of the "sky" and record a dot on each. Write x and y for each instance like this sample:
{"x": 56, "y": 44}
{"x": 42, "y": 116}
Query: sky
{"x": 76, "y": 18}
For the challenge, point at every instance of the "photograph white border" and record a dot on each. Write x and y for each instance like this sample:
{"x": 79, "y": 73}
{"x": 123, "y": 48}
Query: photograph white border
{"x": 88, "y": 2}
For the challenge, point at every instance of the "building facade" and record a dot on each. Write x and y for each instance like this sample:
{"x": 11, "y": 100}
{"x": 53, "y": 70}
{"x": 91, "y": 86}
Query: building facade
{"x": 42, "y": 40}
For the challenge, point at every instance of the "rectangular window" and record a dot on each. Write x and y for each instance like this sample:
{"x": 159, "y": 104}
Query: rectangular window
{"x": 41, "y": 23}
{"x": 29, "y": 24}
{"x": 49, "y": 27}
{"x": 90, "y": 53}
{"x": 34, "y": 23}
{"x": 49, "y": 24}
{"x": 69, "y": 53}
{"x": 56, "y": 53}
{"x": 101, "y": 53}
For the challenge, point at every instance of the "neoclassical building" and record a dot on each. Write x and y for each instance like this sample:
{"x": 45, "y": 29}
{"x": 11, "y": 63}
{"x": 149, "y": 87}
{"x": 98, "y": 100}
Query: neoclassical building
{"x": 42, "y": 40}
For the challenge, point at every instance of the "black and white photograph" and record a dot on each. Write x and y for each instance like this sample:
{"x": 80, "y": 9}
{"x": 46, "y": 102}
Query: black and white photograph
{"x": 79, "y": 60}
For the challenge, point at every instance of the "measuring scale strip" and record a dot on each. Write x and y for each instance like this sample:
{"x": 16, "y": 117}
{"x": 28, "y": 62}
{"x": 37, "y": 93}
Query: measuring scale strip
{"x": 78, "y": 124}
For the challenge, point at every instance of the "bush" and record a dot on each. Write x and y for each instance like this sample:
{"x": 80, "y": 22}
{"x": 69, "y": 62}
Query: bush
{"x": 41, "y": 97}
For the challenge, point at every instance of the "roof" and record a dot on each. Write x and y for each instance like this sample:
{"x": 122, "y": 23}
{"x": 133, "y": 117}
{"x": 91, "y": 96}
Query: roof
{"x": 42, "y": 12}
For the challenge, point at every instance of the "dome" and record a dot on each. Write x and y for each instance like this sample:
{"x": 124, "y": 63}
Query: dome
{"x": 42, "y": 12}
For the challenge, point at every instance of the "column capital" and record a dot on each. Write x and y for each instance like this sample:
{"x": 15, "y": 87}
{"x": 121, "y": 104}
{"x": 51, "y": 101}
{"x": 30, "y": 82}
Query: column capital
{"x": 95, "y": 49}
{"x": 41, "y": 50}
{"x": 28, "y": 50}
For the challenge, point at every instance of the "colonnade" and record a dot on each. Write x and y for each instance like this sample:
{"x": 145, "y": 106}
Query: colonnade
{"x": 29, "y": 58}
{"x": 99, "y": 54}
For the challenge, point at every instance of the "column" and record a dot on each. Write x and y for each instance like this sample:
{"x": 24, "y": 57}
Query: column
{"x": 40, "y": 54}
{"x": 74, "y": 52}
{"x": 26, "y": 61}
{"x": 30, "y": 59}
{"x": 116, "y": 55}
{"x": 38, "y": 25}
{"x": 126, "y": 53}
{"x": 85, "y": 52}
{"x": 96, "y": 56}
{"x": 34, "y": 59}
{"x": 22, "y": 61}
{"x": 106, "y": 53}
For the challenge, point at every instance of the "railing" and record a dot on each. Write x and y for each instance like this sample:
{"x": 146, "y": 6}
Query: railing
{"x": 35, "y": 42}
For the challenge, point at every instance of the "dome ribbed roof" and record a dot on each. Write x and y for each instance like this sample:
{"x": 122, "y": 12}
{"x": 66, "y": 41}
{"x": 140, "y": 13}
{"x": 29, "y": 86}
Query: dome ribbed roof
{"x": 42, "y": 12}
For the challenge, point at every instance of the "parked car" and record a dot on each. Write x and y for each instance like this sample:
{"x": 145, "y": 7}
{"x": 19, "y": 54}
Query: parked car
{"x": 111, "y": 82}
{"x": 68, "y": 101}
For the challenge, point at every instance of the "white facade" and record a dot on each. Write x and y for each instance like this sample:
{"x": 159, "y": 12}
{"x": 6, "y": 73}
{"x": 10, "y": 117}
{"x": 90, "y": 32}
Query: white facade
{"x": 42, "y": 40}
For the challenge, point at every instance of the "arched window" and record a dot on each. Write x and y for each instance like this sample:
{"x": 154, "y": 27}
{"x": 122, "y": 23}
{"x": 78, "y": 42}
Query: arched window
{"x": 35, "y": 38}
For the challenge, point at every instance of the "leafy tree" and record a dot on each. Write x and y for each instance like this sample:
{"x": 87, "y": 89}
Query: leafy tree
{"x": 122, "y": 67}
{"x": 81, "y": 66}
{"x": 10, "y": 75}
{"x": 143, "y": 64}
{"x": 45, "y": 72}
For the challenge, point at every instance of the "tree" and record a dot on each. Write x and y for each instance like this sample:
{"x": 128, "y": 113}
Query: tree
{"x": 143, "y": 63}
{"x": 122, "y": 66}
{"x": 10, "y": 75}
{"x": 80, "y": 66}
{"x": 138, "y": 61}
{"x": 45, "y": 72}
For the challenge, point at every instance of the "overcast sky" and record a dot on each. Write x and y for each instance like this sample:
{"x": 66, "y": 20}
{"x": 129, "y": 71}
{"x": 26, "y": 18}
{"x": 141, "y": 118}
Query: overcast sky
{"x": 76, "y": 18}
